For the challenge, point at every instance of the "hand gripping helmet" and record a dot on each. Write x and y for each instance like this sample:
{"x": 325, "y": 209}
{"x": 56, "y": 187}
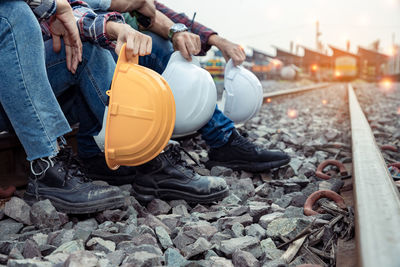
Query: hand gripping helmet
{"x": 140, "y": 116}
{"x": 194, "y": 92}
{"x": 243, "y": 94}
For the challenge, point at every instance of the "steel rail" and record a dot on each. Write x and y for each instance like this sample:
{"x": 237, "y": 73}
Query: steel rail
{"x": 377, "y": 200}
{"x": 295, "y": 90}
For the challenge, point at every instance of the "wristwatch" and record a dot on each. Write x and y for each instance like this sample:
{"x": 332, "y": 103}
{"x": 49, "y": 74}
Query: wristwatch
{"x": 177, "y": 27}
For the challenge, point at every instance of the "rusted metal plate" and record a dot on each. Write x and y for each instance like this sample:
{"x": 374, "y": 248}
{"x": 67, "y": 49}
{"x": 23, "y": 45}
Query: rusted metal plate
{"x": 377, "y": 200}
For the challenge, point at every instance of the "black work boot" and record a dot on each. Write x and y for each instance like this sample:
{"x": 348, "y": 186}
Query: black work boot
{"x": 240, "y": 154}
{"x": 96, "y": 168}
{"x": 61, "y": 181}
{"x": 168, "y": 177}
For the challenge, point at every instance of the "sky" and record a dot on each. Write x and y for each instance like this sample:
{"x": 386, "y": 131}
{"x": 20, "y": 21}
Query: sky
{"x": 264, "y": 23}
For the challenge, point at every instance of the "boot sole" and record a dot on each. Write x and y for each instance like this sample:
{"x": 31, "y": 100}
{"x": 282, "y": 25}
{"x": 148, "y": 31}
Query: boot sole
{"x": 239, "y": 165}
{"x": 148, "y": 194}
{"x": 78, "y": 208}
{"x": 113, "y": 180}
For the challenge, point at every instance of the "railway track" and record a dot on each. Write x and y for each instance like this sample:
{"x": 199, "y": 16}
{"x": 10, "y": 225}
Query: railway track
{"x": 376, "y": 197}
{"x": 262, "y": 222}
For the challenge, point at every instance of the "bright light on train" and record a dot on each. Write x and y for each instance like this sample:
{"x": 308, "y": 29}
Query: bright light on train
{"x": 314, "y": 67}
{"x": 324, "y": 101}
{"x": 338, "y": 74}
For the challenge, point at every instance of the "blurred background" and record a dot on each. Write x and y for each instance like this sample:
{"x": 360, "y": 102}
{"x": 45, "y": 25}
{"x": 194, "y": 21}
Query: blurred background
{"x": 309, "y": 40}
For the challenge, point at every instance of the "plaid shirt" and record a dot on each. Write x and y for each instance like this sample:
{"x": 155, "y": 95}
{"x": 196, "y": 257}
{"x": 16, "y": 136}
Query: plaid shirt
{"x": 91, "y": 25}
{"x": 197, "y": 28}
{"x": 43, "y": 9}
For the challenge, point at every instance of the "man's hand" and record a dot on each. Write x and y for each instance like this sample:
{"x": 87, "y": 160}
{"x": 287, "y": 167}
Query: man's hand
{"x": 187, "y": 43}
{"x": 64, "y": 25}
{"x": 136, "y": 42}
{"x": 228, "y": 49}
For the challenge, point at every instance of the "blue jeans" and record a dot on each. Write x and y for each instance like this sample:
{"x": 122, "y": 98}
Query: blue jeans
{"x": 26, "y": 96}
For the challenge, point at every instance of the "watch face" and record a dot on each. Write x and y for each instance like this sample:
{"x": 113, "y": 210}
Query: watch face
{"x": 177, "y": 27}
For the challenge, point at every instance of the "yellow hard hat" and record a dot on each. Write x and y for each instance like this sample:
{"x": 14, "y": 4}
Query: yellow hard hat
{"x": 141, "y": 114}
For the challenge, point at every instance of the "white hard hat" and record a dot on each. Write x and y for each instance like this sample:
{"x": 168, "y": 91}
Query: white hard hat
{"x": 194, "y": 92}
{"x": 243, "y": 94}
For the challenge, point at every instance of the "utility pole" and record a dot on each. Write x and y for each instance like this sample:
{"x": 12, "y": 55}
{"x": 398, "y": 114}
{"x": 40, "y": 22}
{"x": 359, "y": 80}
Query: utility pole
{"x": 317, "y": 35}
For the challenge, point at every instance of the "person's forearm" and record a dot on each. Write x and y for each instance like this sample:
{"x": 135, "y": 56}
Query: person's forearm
{"x": 215, "y": 39}
{"x": 126, "y": 5}
{"x": 161, "y": 25}
{"x": 113, "y": 29}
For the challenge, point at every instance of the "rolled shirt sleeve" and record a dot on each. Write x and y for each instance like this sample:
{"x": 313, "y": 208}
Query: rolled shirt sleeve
{"x": 196, "y": 27}
{"x": 43, "y": 9}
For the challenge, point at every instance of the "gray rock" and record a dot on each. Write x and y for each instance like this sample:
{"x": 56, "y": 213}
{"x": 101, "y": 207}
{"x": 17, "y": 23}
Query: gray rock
{"x": 174, "y": 203}
{"x": 256, "y": 230}
{"x": 99, "y": 244}
{"x": 232, "y": 199}
{"x": 294, "y": 212}
{"x": 144, "y": 229}
{"x": 163, "y": 237}
{"x": 15, "y": 254}
{"x": 193, "y": 231}
{"x": 170, "y": 220}
{"x": 83, "y": 234}
{"x": 158, "y": 206}
{"x": 81, "y": 258}
{"x": 291, "y": 187}
{"x": 220, "y": 262}
{"x": 153, "y": 222}
{"x": 298, "y": 199}
{"x": 116, "y": 257}
{"x": 295, "y": 164}
{"x": 243, "y": 189}
{"x": 286, "y": 227}
{"x": 210, "y": 253}
{"x": 3, "y": 259}
{"x": 70, "y": 247}
{"x": 7, "y": 245}
{"x": 284, "y": 201}
{"x": 31, "y": 250}
{"x": 266, "y": 219}
{"x": 40, "y": 239}
{"x": 9, "y": 227}
{"x": 28, "y": 263}
{"x": 258, "y": 209}
{"x": 43, "y": 215}
{"x": 89, "y": 224}
{"x": 237, "y": 211}
{"x": 246, "y": 243}
{"x": 200, "y": 246}
{"x": 237, "y": 229}
{"x": 139, "y": 257}
{"x": 116, "y": 238}
{"x": 180, "y": 210}
{"x": 174, "y": 258}
{"x": 307, "y": 169}
{"x": 221, "y": 171}
{"x": 17, "y": 209}
{"x": 212, "y": 215}
{"x": 244, "y": 259}
{"x": 275, "y": 263}
{"x": 218, "y": 237}
{"x": 270, "y": 250}
{"x": 227, "y": 222}
{"x": 111, "y": 215}
{"x": 144, "y": 239}
{"x": 128, "y": 247}
{"x": 57, "y": 259}
{"x": 60, "y": 237}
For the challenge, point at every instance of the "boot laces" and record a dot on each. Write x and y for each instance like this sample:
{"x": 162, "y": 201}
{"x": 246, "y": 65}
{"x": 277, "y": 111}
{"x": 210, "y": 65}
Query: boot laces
{"x": 243, "y": 142}
{"x": 71, "y": 165}
{"x": 173, "y": 154}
